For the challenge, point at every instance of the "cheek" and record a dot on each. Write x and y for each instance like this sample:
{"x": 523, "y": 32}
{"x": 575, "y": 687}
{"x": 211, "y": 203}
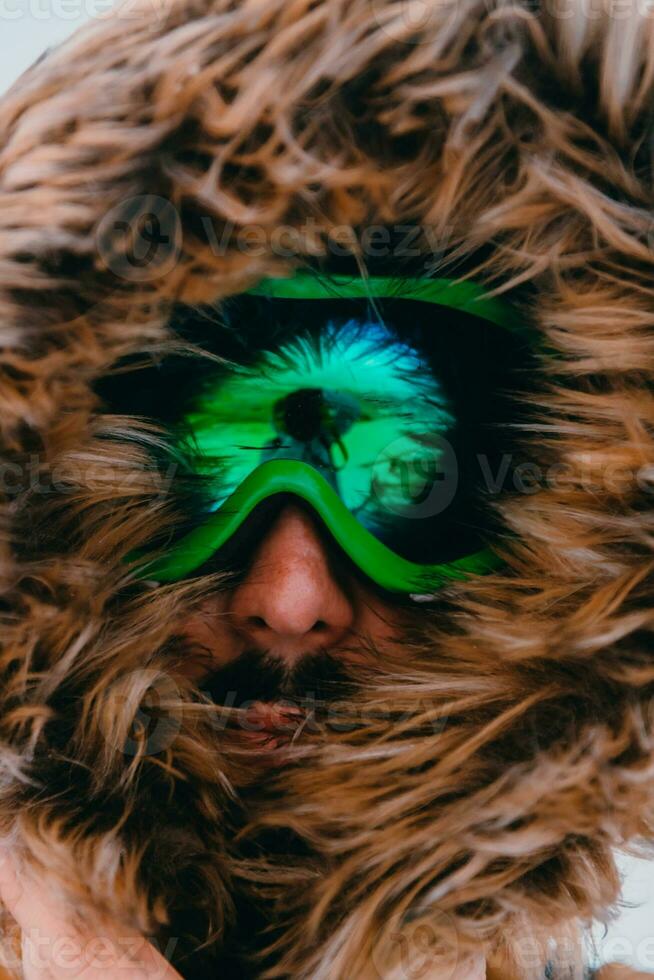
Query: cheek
{"x": 208, "y": 638}
{"x": 380, "y": 621}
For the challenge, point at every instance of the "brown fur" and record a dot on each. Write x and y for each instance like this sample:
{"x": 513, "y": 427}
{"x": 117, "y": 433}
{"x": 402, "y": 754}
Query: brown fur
{"x": 522, "y": 141}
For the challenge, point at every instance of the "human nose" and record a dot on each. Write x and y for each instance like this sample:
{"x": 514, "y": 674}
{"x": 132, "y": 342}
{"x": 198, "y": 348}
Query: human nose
{"x": 290, "y": 603}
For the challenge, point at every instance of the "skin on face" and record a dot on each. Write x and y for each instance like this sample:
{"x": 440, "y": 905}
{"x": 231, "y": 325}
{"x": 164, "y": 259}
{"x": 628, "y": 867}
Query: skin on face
{"x": 291, "y": 602}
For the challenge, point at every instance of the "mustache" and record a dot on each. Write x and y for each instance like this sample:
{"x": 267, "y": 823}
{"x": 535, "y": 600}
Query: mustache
{"x": 258, "y": 676}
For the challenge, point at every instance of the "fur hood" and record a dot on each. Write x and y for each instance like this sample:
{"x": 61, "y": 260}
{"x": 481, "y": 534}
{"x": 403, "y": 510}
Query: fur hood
{"x": 480, "y": 792}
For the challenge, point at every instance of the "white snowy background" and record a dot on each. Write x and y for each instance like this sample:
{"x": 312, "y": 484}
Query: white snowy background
{"x": 27, "y": 29}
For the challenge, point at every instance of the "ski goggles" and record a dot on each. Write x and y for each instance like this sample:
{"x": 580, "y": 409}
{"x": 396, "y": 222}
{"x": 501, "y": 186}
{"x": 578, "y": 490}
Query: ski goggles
{"x": 356, "y": 399}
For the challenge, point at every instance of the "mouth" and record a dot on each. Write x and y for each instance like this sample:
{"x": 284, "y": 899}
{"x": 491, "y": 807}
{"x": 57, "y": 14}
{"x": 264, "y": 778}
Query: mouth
{"x": 270, "y": 726}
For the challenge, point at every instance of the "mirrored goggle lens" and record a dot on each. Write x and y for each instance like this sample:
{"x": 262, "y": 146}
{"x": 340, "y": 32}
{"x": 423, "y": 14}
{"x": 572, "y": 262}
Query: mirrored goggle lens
{"x": 399, "y": 409}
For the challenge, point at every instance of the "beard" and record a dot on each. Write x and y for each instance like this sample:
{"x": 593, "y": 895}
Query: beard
{"x": 269, "y": 703}
{"x": 316, "y": 678}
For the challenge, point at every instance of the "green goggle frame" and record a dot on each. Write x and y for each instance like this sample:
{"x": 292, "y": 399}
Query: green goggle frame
{"x": 291, "y": 476}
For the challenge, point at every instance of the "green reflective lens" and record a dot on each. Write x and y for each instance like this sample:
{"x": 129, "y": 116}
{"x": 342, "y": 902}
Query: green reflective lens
{"x": 353, "y": 417}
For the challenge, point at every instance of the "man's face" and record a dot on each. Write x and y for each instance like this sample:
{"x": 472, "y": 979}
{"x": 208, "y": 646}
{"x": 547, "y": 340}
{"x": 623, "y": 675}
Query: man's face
{"x": 392, "y": 415}
{"x": 289, "y": 629}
